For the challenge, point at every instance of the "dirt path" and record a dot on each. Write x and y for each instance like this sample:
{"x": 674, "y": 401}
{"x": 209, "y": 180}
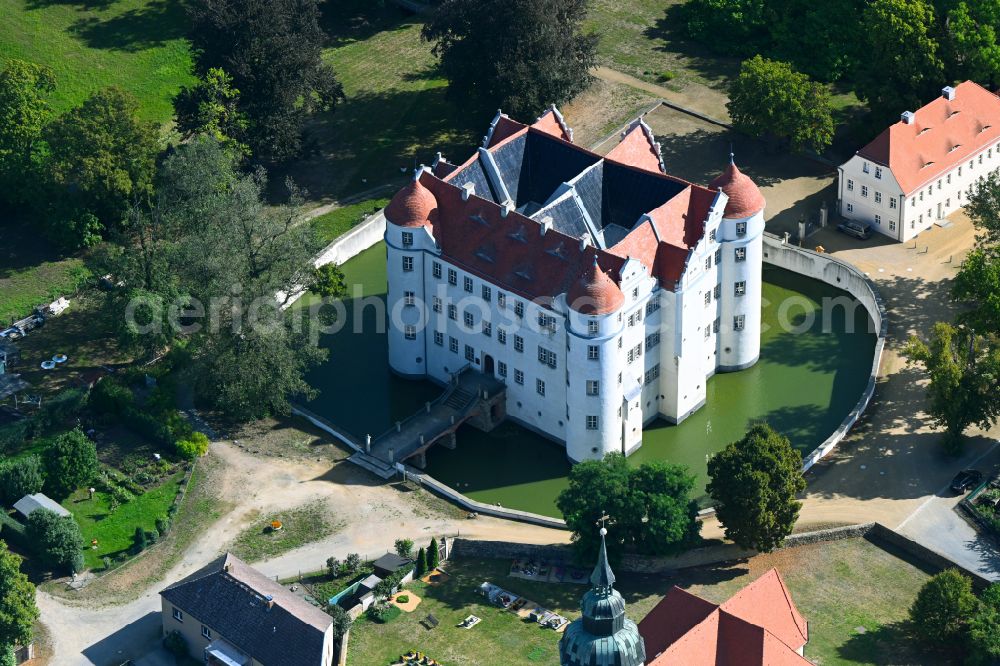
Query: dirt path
{"x": 695, "y": 96}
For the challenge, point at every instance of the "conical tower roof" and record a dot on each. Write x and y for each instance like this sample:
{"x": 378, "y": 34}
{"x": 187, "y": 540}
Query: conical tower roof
{"x": 594, "y": 292}
{"x": 412, "y": 206}
{"x": 603, "y": 636}
{"x": 745, "y": 198}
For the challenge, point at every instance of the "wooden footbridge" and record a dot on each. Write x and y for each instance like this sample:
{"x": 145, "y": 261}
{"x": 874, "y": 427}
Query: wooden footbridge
{"x": 470, "y": 397}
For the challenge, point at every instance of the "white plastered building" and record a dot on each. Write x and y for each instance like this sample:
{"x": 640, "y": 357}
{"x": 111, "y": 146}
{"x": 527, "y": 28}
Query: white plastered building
{"x": 601, "y": 291}
{"x": 921, "y": 169}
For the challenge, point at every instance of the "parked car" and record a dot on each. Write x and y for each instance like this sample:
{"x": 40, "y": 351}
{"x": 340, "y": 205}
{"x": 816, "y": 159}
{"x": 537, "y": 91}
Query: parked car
{"x": 966, "y": 480}
{"x": 861, "y": 230}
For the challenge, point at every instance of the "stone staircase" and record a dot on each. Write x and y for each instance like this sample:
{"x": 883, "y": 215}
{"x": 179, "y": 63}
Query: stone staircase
{"x": 379, "y": 468}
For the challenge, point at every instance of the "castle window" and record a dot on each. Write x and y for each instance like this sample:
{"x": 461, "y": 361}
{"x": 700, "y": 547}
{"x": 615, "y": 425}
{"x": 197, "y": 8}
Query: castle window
{"x": 501, "y": 368}
{"x": 487, "y": 329}
{"x": 409, "y": 298}
{"x": 892, "y": 203}
{"x": 850, "y": 185}
{"x": 206, "y": 632}
{"x": 437, "y": 304}
{"x": 892, "y": 225}
{"x": 470, "y": 353}
{"x": 878, "y": 196}
{"x": 178, "y": 615}
{"x": 546, "y": 323}
{"x": 715, "y": 326}
{"x": 518, "y": 343}
{"x": 708, "y": 332}
{"x": 740, "y": 288}
{"x": 850, "y": 208}
{"x": 547, "y": 357}
{"x": 948, "y": 178}
{"x": 452, "y": 277}
{"x": 592, "y": 422}
{"x": 593, "y": 387}
{"x": 436, "y": 270}
{"x": 468, "y": 284}
{"x": 712, "y": 235}
{"x": 540, "y": 387}
{"x": 738, "y": 322}
{"x": 708, "y": 298}
{"x": 619, "y": 379}
{"x": 469, "y": 320}
{"x": 518, "y": 377}
{"x": 717, "y": 291}
{"x": 502, "y": 336}
{"x": 453, "y": 312}
{"x": 453, "y": 344}
{"x": 708, "y": 262}
{"x": 652, "y": 340}
{"x": 652, "y": 305}
{"x": 878, "y": 172}
{"x": 718, "y": 256}
{"x": 741, "y": 254}
{"x": 501, "y": 299}
{"x": 487, "y": 293}
{"x": 519, "y": 308}
{"x": 407, "y": 238}
{"x": 865, "y": 167}
{"x": 407, "y": 264}
{"x": 635, "y": 293}
{"x": 439, "y": 338}
{"x": 652, "y": 374}
{"x": 741, "y": 228}
{"x": 410, "y": 332}
{"x": 593, "y": 353}
{"x": 878, "y": 220}
{"x": 864, "y": 190}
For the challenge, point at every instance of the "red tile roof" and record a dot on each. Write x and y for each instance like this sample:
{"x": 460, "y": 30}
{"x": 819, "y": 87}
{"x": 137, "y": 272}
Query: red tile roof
{"x": 758, "y": 626}
{"x": 412, "y": 206}
{"x": 637, "y": 148}
{"x": 551, "y": 122}
{"x": 745, "y": 198}
{"x": 503, "y": 128}
{"x": 594, "y": 293}
{"x": 942, "y": 135}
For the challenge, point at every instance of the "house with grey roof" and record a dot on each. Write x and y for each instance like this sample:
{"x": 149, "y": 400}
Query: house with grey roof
{"x": 230, "y": 614}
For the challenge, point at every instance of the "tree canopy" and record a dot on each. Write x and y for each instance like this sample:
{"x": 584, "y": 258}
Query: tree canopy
{"x": 24, "y": 112}
{"x": 18, "y": 611}
{"x": 273, "y": 53}
{"x": 20, "y": 477}
{"x": 964, "y": 370}
{"x": 212, "y": 107}
{"x": 943, "y": 607}
{"x": 770, "y": 100}
{"x": 649, "y": 507}
{"x": 754, "y": 484}
{"x": 984, "y": 628}
{"x": 70, "y": 462}
{"x": 520, "y": 55}
{"x": 56, "y": 539}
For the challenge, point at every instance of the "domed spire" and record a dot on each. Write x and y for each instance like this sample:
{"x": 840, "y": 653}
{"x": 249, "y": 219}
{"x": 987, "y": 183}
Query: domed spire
{"x": 594, "y": 292}
{"x": 603, "y": 635}
{"x": 413, "y": 206}
{"x": 745, "y": 198}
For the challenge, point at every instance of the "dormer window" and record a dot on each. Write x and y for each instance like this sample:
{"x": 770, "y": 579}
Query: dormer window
{"x": 926, "y": 129}
{"x": 523, "y": 272}
{"x": 479, "y": 219}
{"x": 558, "y": 251}
{"x": 518, "y": 235}
{"x": 955, "y": 147}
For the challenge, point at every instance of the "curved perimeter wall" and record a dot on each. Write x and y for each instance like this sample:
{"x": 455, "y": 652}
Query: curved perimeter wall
{"x": 842, "y": 275}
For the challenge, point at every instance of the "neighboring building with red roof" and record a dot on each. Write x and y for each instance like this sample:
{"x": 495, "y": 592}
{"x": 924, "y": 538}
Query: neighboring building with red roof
{"x": 920, "y": 170}
{"x": 758, "y": 626}
{"x": 603, "y": 292}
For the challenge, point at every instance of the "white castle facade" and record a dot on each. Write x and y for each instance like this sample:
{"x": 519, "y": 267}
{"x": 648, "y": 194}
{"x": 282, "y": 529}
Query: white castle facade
{"x": 602, "y": 292}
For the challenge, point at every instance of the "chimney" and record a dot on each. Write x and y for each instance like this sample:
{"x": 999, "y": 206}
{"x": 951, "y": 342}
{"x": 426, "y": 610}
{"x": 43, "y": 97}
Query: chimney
{"x": 948, "y": 93}
{"x": 907, "y": 117}
{"x": 468, "y": 190}
{"x": 584, "y": 242}
{"x": 505, "y": 210}
{"x": 270, "y": 602}
{"x": 545, "y": 225}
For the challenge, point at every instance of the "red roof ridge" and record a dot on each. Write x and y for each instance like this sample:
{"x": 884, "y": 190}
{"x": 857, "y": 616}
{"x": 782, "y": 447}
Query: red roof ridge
{"x": 638, "y": 147}
{"x": 552, "y": 122}
{"x": 501, "y": 127}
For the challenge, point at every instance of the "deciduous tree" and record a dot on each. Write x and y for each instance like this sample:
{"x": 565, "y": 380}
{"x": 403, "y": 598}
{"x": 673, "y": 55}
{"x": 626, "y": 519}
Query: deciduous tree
{"x": 56, "y": 539}
{"x": 754, "y": 485}
{"x": 20, "y": 477}
{"x": 70, "y": 462}
{"x": 212, "y": 107}
{"x": 24, "y": 111}
{"x": 650, "y": 506}
{"x": 964, "y": 371}
{"x": 941, "y": 611}
{"x": 970, "y": 45}
{"x": 274, "y": 53}
{"x": 770, "y": 100}
{"x": 521, "y": 55}
{"x": 984, "y": 629}
{"x": 18, "y": 611}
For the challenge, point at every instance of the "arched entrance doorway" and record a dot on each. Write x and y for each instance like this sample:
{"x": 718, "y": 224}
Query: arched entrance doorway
{"x": 488, "y": 365}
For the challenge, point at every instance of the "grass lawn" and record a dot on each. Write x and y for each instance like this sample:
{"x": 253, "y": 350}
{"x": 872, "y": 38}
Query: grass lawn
{"x": 114, "y": 531}
{"x": 337, "y": 222}
{"x": 135, "y": 44}
{"x": 301, "y": 525}
{"x": 837, "y": 586}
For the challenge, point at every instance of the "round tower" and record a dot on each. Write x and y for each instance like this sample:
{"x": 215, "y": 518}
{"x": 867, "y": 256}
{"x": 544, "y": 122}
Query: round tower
{"x": 594, "y": 301}
{"x": 603, "y": 636}
{"x": 741, "y": 241}
{"x": 408, "y": 239}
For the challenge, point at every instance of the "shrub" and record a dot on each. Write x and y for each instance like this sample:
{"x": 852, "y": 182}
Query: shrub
{"x": 352, "y": 563}
{"x": 139, "y": 542}
{"x": 175, "y": 644}
{"x": 332, "y": 566}
{"x": 152, "y": 536}
{"x": 110, "y": 397}
{"x": 404, "y": 547}
{"x": 341, "y": 620}
{"x": 56, "y": 539}
{"x": 20, "y": 477}
{"x": 403, "y": 598}
{"x": 148, "y": 426}
{"x": 12, "y": 531}
{"x": 943, "y": 607}
{"x": 194, "y": 446}
{"x": 70, "y": 462}
{"x": 163, "y": 526}
{"x": 382, "y": 613}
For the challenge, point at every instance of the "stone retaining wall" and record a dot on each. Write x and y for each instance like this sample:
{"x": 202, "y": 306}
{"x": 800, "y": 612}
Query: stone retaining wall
{"x": 842, "y": 275}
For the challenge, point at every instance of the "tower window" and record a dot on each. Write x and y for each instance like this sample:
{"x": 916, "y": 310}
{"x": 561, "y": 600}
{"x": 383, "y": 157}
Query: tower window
{"x": 518, "y": 343}
{"x": 452, "y": 277}
{"x": 740, "y": 288}
{"x": 593, "y": 327}
{"x": 469, "y": 319}
{"x": 410, "y": 332}
{"x": 592, "y": 422}
{"x": 407, "y": 238}
{"x": 593, "y": 352}
{"x": 453, "y": 344}
{"x": 539, "y": 387}
{"x": 409, "y": 298}
{"x": 593, "y": 387}
{"x": 741, "y": 228}
{"x": 487, "y": 293}
{"x": 439, "y": 338}
{"x": 468, "y": 284}
{"x": 436, "y": 270}
{"x": 738, "y": 322}
{"x": 453, "y": 312}
{"x": 502, "y": 336}
{"x": 741, "y": 254}
{"x": 518, "y": 377}
{"x": 407, "y": 264}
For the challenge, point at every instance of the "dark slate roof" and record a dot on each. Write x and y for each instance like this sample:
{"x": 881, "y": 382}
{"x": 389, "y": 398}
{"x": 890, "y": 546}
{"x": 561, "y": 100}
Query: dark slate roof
{"x": 566, "y": 217}
{"x": 472, "y": 172}
{"x": 391, "y": 562}
{"x": 231, "y": 598}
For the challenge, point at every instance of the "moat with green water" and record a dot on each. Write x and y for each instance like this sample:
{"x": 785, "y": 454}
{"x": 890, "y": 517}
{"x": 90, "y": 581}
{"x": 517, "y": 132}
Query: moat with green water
{"x": 804, "y": 385}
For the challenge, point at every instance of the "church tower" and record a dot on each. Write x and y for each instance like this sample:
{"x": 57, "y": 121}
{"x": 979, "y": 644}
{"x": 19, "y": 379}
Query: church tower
{"x": 603, "y": 636}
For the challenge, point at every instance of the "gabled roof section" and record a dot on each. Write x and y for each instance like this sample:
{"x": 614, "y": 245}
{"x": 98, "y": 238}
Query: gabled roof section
{"x": 552, "y": 122}
{"x": 759, "y": 626}
{"x": 501, "y": 128}
{"x": 942, "y": 135}
{"x": 638, "y": 148}
{"x": 257, "y": 615}
{"x": 442, "y": 167}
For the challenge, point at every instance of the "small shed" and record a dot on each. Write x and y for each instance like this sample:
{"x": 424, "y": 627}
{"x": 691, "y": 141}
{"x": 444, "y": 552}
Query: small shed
{"x": 389, "y": 564}
{"x": 31, "y": 503}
